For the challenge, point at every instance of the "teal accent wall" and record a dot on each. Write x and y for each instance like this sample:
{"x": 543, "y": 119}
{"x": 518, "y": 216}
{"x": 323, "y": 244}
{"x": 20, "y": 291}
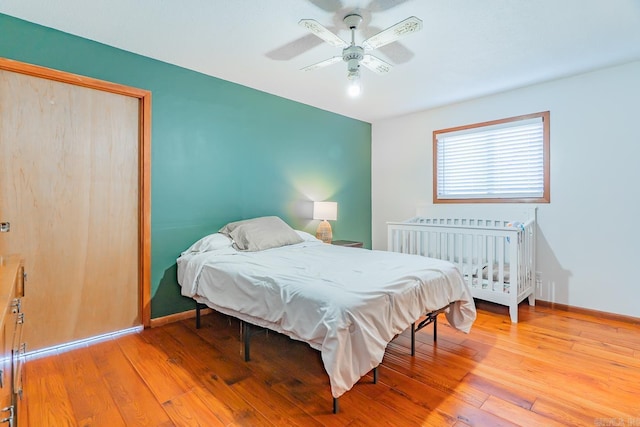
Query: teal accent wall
{"x": 219, "y": 151}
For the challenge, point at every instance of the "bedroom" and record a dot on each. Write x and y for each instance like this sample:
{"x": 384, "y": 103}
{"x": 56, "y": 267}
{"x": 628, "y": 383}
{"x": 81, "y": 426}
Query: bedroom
{"x": 362, "y": 165}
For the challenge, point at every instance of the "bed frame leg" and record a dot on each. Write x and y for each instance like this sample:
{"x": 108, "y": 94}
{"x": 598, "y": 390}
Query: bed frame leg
{"x": 335, "y": 405}
{"x": 435, "y": 328}
{"x": 431, "y": 317}
{"x": 375, "y": 375}
{"x": 413, "y": 339}
{"x": 198, "y": 306}
{"x": 247, "y": 339}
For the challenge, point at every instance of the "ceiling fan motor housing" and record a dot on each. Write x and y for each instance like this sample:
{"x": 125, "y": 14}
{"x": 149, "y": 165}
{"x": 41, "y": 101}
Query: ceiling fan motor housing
{"x": 352, "y": 55}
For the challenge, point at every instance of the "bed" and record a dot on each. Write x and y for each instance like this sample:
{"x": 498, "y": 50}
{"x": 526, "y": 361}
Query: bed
{"x": 494, "y": 251}
{"x": 348, "y": 303}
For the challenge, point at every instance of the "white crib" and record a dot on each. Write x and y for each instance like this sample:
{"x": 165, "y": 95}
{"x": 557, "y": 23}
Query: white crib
{"x": 497, "y": 257}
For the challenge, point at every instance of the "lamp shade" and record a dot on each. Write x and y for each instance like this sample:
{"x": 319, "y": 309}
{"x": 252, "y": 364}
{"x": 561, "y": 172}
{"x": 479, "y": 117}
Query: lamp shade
{"x": 325, "y": 210}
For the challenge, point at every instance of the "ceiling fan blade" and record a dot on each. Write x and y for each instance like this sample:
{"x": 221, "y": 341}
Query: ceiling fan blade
{"x": 376, "y": 64}
{"x": 294, "y": 48}
{"x": 393, "y": 33}
{"x": 396, "y": 53}
{"x": 322, "y": 63}
{"x": 316, "y": 28}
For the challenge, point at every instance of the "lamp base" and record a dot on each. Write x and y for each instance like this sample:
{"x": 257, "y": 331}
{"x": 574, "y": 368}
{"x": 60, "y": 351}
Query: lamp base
{"x": 324, "y": 232}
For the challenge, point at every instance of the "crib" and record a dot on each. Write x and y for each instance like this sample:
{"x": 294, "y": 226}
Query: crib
{"x": 496, "y": 255}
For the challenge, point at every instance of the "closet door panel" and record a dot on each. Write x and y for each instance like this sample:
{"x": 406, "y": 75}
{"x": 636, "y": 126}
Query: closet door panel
{"x": 69, "y": 158}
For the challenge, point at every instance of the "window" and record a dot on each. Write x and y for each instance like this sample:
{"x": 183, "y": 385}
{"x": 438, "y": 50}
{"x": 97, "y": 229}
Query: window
{"x": 502, "y": 161}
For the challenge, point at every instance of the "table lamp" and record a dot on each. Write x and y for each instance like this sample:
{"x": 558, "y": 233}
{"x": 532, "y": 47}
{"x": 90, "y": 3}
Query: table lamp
{"x": 325, "y": 211}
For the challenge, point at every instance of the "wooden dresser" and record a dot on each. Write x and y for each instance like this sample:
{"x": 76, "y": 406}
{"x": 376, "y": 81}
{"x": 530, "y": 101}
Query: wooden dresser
{"x": 11, "y": 293}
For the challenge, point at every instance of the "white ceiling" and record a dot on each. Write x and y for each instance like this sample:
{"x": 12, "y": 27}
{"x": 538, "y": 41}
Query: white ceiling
{"x": 467, "y": 48}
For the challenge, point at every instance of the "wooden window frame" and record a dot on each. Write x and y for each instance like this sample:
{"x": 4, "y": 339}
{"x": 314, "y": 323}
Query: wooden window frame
{"x": 546, "y": 197}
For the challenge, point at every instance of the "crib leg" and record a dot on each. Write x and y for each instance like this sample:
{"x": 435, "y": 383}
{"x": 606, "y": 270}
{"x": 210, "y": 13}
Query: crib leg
{"x": 532, "y": 299}
{"x": 513, "y": 313}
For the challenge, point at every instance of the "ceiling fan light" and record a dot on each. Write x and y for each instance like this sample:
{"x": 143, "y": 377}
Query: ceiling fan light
{"x": 354, "y": 87}
{"x": 354, "y": 90}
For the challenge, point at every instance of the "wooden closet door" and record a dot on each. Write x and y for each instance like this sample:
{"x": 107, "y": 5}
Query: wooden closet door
{"x": 69, "y": 160}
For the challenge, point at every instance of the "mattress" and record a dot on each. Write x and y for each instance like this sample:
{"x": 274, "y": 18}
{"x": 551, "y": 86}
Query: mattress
{"x": 348, "y": 303}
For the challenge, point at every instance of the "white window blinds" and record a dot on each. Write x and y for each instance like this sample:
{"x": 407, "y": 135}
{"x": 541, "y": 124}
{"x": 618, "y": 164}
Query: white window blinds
{"x": 505, "y": 160}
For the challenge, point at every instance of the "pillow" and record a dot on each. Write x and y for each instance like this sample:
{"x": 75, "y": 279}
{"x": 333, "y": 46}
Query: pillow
{"x": 212, "y": 242}
{"x": 260, "y": 233}
{"x": 306, "y": 237}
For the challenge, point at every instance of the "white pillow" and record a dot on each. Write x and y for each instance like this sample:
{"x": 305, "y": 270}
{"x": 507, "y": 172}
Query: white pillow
{"x": 306, "y": 237}
{"x": 212, "y": 242}
{"x": 260, "y": 233}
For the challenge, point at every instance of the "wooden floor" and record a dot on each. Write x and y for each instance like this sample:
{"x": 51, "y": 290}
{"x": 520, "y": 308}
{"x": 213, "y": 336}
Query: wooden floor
{"x": 552, "y": 368}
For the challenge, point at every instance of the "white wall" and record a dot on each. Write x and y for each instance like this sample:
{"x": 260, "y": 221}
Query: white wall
{"x": 589, "y": 235}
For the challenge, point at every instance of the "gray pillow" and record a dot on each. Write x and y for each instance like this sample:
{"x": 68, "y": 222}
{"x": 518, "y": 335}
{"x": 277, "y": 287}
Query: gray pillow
{"x": 260, "y": 233}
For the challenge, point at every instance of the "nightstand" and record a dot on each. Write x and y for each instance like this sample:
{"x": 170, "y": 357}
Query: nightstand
{"x": 348, "y": 243}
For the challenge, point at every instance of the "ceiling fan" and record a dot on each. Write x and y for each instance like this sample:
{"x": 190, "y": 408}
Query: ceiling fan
{"x": 353, "y": 54}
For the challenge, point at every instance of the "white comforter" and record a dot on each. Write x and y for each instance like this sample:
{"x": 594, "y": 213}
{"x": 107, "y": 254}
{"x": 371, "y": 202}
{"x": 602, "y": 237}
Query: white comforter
{"x": 346, "y": 302}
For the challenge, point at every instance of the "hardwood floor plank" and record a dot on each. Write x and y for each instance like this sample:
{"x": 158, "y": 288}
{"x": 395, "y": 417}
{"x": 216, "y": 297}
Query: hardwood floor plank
{"x": 369, "y": 412}
{"x": 604, "y": 349}
{"x": 517, "y": 396}
{"x": 407, "y": 411}
{"x": 434, "y": 406}
{"x": 434, "y": 372}
{"x": 542, "y": 383}
{"x": 568, "y": 413}
{"x": 271, "y": 404}
{"x": 162, "y": 375}
{"x": 212, "y": 371}
{"x": 136, "y": 403}
{"x": 439, "y": 406}
{"x": 253, "y": 382}
{"x": 628, "y": 323}
{"x": 521, "y": 416}
{"x": 188, "y": 410}
{"x": 92, "y": 403}
{"x": 49, "y": 403}
{"x": 622, "y": 340}
{"x": 552, "y": 368}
